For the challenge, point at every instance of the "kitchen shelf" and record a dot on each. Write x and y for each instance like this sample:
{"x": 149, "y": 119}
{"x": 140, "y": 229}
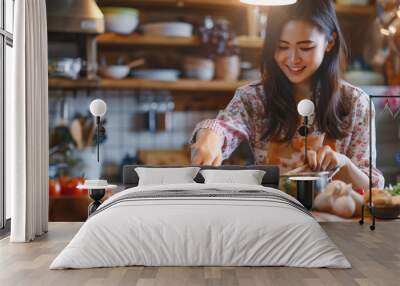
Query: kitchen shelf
{"x": 347, "y": 9}
{"x": 112, "y": 39}
{"x": 368, "y": 10}
{"x": 134, "y": 83}
{"x": 171, "y": 3}
{"x": 340, "y": 9}
{"x": 139, "y": 40}
{"x": 249, "y": 42}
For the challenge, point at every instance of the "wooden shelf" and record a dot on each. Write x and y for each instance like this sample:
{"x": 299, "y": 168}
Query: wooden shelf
{"x": 369, "y": 10}
{"x": 249, "y": 42}
{"x": 171, "y": 3}
{"x": 134, "y": 83}
{"x": 340, "y": 9}
{"x": 139, "y": 40}
{"x": 112, "y": 39}
{"x": 60, "y": 83}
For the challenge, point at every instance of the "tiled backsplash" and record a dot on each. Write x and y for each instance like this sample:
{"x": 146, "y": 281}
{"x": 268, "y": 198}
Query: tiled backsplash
{"x": 123, "y": 138}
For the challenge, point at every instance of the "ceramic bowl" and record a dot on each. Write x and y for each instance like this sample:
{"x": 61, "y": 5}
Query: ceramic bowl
{"x": 114, "y": 72}
{"x": 199, "y": 68}
{"x": 120, "y": 20}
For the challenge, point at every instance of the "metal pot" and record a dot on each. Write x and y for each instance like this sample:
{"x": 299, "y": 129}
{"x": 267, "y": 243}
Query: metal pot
{"x": 309, "y": 184}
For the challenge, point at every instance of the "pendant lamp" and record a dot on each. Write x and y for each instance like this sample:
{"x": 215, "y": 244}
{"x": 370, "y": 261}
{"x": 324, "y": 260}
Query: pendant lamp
{"x": 269, "y": 2}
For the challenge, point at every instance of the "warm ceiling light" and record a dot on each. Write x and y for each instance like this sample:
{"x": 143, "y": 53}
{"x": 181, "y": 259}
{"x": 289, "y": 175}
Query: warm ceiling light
{"x": 385, "y": 32}
{"x": 269, "y": 2}
{"x": 392, "y": 29}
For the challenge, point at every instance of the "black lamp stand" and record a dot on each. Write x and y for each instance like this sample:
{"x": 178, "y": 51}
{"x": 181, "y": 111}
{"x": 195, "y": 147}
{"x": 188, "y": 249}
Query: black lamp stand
{"x": 305, "y": 139}
{"x": 98, "y": 137}
{"x": 371, "y": 205}
{"x": 96, "y": 195}
{"x": 303, "y": 131}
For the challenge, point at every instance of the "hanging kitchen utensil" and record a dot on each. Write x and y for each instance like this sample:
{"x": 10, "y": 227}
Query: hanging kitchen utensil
{"x": 60, "y": 134}
{"x": 88, "y": 131}
{"x": 136, "y": 63}
{"x": 76, "y": 131}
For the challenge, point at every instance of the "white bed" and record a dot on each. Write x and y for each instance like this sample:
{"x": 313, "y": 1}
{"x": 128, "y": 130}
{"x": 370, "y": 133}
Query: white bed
{"x": 224, "y": 225}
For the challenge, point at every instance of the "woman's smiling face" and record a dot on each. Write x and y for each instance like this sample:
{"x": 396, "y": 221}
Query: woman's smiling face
{"x": 301, "y": 50}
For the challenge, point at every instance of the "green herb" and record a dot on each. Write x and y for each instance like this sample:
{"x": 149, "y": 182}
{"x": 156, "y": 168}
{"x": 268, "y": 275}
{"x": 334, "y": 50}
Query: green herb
{"x": 394, "y": 190}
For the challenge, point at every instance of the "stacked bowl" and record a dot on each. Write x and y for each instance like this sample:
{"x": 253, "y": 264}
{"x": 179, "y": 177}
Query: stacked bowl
{"x": 120, "y": 20}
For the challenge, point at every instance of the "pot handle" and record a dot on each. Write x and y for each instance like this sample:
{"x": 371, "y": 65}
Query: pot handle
{"x": 333, "y": 172}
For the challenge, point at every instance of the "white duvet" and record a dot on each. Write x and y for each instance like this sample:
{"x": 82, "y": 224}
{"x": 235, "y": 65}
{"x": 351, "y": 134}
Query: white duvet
{"x": 202, "y": 231}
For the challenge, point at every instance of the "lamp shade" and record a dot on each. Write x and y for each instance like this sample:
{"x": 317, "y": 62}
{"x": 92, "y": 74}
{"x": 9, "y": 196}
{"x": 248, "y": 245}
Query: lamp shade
{"x": 305, "y": 107}
{"x": 98, "y": 107}
{"x": 269, "y": 2}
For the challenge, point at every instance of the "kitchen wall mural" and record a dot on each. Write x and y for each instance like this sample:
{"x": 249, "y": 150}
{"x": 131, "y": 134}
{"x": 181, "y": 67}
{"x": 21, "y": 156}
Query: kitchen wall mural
{"x": 161, "y": 68}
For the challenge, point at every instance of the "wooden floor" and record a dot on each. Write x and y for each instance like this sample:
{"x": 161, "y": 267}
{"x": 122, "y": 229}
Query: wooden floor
{"x": 375, "y": 257}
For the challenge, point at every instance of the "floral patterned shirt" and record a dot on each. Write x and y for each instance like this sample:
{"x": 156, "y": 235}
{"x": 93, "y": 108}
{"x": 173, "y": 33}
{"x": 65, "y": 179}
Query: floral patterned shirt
{"x": 244, "y": 119}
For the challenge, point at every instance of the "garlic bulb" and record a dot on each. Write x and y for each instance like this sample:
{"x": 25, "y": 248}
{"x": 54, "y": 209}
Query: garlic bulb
{"x": 358, "y": 199}
{"x": 344, "y": 207}
{"x": 323, "y": 202}
{"x": 337, "y": 188}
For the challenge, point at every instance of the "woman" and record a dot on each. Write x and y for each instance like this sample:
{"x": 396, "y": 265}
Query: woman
{"x": 303, "y": 55}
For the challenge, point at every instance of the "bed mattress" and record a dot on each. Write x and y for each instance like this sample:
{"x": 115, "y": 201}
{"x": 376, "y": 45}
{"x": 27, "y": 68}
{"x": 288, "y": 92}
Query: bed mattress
{"x": 201, "y": 225}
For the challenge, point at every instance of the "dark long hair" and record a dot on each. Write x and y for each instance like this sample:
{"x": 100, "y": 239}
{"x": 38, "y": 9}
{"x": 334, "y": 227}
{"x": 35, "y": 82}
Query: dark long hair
{"x": 281, "y": 108}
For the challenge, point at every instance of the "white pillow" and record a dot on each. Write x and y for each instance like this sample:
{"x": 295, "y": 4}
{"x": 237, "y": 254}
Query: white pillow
{"x": 166, "y": 176}
{"x": 248, "y": 177}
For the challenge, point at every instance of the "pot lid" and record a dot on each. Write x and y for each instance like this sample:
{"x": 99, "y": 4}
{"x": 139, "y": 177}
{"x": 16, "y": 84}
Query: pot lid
{"x": 307, "y": 174}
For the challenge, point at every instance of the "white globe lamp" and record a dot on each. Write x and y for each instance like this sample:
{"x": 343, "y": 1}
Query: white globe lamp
{"x": 98, "y": 108}
{"x": 306, "y": 107}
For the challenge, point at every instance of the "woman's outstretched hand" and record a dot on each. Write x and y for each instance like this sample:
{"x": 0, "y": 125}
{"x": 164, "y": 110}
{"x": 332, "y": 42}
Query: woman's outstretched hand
{"x": 325, "y": 159}
{"x": 207, "y": 148}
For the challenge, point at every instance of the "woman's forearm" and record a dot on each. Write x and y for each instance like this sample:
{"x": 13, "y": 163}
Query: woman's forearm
{"x": 350, "y": 173}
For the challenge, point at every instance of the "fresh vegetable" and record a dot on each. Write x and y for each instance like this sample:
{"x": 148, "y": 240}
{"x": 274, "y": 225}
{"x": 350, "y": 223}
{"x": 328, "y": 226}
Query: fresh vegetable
{"x": 360, "y": 191}
{"x": 344, "y": 206}
{"x": 339, "y": 199}
{"x": 393, "y": 190}
{"x": 66, "y": 186}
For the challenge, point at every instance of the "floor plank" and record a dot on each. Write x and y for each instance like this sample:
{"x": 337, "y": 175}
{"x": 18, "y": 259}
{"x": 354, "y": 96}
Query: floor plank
{"x": 375, "y": 257}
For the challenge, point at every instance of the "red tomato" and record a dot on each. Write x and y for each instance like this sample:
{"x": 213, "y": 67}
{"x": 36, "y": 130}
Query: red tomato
{"x": 51, "y": 187}
{"x": 63, "y": 180}
{"x": 54, "y": 188}
{"x": 68, "y": 186}
{"x": 360, "y": 191}
{"x": 74, "y": 182}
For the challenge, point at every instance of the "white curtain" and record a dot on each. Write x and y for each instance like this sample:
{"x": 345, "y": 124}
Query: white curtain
{"x": 27, "y": 124}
